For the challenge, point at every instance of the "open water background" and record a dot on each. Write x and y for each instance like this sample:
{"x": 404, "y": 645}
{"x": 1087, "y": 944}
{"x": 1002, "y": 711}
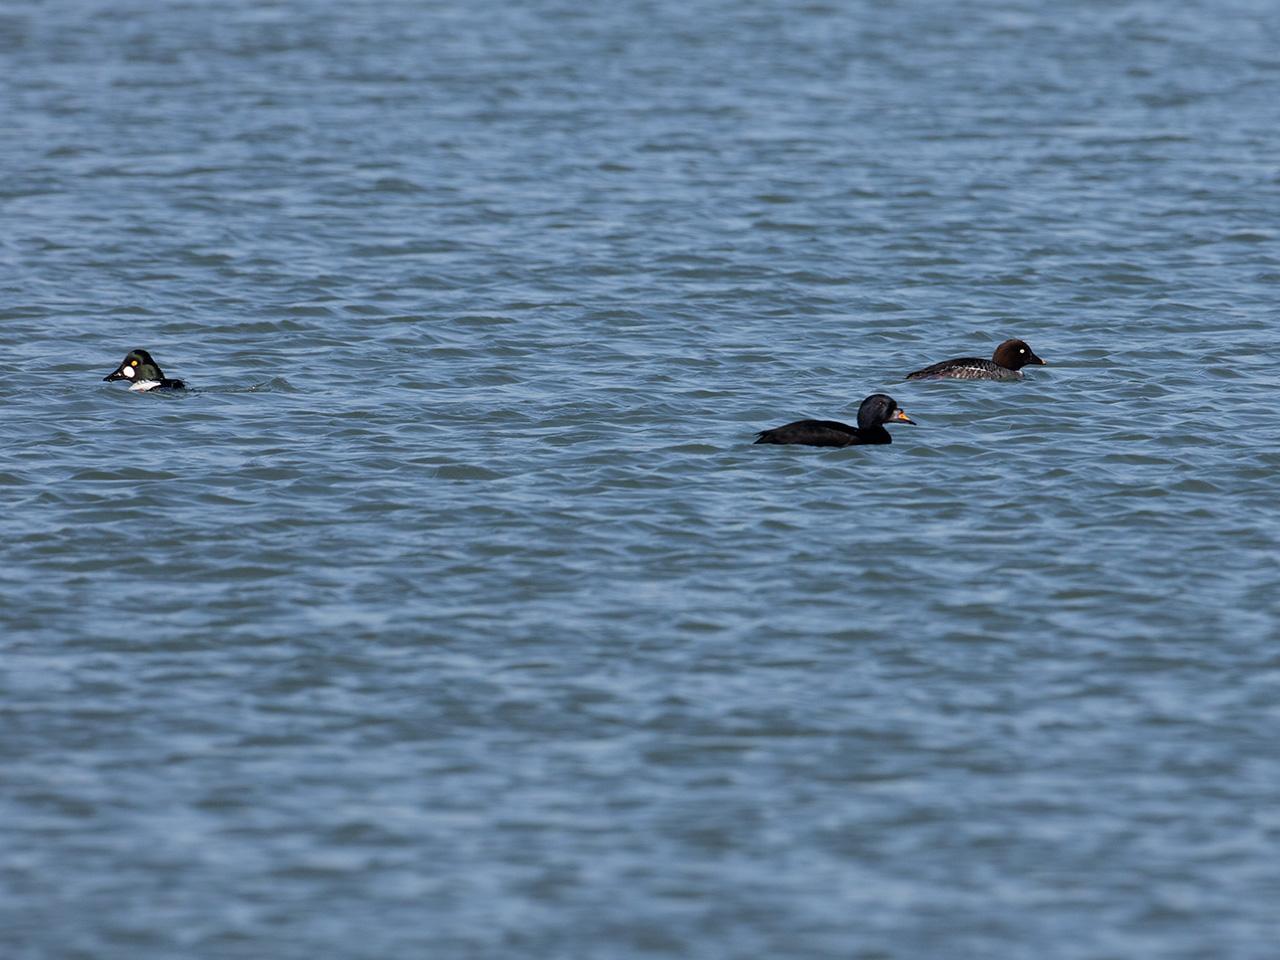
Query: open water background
{"x": 455, "y": 615}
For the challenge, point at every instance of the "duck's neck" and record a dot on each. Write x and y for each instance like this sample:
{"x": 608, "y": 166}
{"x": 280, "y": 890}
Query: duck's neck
{"x": 876, "y": 434}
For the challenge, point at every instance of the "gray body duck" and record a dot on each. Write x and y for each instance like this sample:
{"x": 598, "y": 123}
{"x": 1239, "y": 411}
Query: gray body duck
{"x": 1005, "y": 364}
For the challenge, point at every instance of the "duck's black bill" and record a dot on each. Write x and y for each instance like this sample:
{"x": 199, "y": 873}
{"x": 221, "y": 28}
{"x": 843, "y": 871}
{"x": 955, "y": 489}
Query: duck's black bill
{"x": 901, "y": 417}
{"x": 117, "y": 375}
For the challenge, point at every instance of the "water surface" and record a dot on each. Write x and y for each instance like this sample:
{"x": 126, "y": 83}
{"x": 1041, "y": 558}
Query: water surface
{"x": 454, "y": 614}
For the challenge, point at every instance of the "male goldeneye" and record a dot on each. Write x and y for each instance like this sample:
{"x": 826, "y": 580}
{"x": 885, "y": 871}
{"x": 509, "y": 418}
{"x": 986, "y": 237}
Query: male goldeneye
{"x": 877, "y": 410}
{"x": 1005, "y": 364}
{"x": 143, "y": 373}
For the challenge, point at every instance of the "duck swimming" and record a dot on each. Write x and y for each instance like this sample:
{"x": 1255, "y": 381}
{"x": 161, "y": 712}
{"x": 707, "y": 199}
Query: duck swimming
{"x": 143, "y": 373}
{"x": 1005, "y": 364}
{"x": 875, "y": 411}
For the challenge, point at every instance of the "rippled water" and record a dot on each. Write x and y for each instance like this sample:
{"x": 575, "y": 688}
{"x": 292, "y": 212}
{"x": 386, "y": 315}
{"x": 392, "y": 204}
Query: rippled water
{"x": 453, "y": 613}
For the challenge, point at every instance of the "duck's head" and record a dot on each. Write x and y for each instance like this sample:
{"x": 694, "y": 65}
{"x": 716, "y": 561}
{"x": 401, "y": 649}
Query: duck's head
{"x": 137, "y": 367}
{"x": 879, "y": 409}
{"x": 1015, "y": 354}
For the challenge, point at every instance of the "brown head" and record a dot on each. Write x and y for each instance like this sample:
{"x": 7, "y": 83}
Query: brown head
{"x": 1015, "y": 354}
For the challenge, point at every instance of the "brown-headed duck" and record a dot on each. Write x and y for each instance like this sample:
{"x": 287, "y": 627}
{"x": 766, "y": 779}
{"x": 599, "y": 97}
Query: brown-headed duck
{"x": 1005, "y": 364}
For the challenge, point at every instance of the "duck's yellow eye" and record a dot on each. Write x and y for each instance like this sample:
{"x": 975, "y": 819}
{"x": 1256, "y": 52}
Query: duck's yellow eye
{"x": 133, "y": 363}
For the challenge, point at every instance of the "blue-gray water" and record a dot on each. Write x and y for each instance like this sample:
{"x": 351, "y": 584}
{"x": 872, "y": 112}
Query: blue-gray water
{"x": 455, "y": 615}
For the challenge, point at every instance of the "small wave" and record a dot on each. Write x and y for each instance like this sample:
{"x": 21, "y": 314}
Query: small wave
{"x": 274, "y": 385}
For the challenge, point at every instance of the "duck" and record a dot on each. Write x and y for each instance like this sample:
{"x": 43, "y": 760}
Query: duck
{"x": 143, "y": 373}
{"x": 874, "y": 412}
{"x": 1005, "y": 364}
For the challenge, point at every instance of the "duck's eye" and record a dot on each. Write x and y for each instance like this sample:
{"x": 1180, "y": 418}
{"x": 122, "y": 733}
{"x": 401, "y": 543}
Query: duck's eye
{"x": 133, "y": 363}
{"x": 1022, "y": 349}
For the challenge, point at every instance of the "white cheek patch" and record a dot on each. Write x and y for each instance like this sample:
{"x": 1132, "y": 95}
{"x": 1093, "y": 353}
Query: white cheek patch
{"x": 145, "y": 384}
{"x": 127, "y": 371}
